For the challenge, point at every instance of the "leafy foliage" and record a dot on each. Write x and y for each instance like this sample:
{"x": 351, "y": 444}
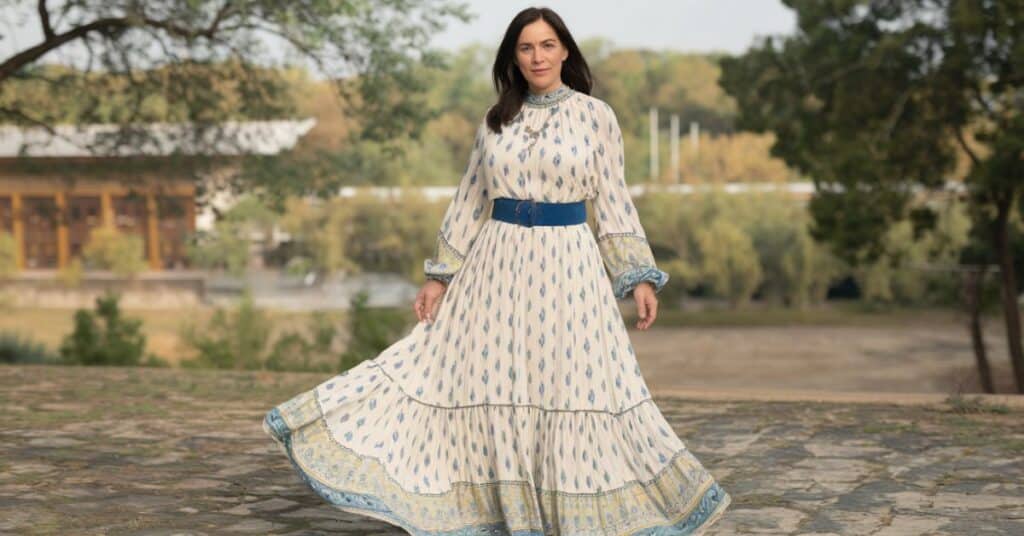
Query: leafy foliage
{"x": 243, "y": 338}
{"x": 110, "y": 249}
{"x": 8, "y": 255}
{"x": 17, "y": 349}
{"x": 371, "y": 331}
{"x": 105, "y": 337}
{"x": 235, "y": 339}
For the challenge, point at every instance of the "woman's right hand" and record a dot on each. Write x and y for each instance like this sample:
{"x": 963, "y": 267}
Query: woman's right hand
{"x": 428, "y": 299}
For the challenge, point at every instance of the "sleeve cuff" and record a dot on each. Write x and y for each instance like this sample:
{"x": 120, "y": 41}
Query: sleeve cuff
{"x": 444, "y": 278}
{"x": 627, "y": 281}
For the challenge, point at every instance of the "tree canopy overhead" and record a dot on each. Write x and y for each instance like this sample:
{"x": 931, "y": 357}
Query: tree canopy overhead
{"x": 159, "y": 53}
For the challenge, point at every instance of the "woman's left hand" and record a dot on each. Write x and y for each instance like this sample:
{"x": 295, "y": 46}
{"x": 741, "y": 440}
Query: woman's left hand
{"x": 646, "y": 304}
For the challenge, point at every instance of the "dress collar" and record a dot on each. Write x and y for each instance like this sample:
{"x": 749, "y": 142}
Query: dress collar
{"x": 546, "y": 99}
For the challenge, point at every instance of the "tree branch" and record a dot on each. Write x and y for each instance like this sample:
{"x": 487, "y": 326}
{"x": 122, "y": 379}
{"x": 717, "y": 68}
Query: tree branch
{"x": 25, "y": 57}
{"x": 44, "y": 18}
{"x": 190, "y": 33}
{"x": 53, "y": 40}
{"x": 963, "y": 145}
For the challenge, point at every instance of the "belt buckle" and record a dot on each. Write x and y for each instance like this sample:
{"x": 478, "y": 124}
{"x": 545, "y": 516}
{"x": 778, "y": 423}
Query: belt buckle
{"x": 532, "y": 211}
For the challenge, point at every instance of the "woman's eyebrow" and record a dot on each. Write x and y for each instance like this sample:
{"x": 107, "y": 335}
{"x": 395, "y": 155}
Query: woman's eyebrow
{"x": 542, "y": 41}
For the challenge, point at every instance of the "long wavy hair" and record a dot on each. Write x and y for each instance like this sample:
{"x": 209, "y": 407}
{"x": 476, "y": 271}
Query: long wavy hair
{"x": 510, "y": 83}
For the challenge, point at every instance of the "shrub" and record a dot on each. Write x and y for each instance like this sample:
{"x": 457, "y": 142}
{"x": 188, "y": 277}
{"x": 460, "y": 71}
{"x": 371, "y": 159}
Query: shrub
{"x": 225, "y": 248}
{"x": 8, "y": 255}
{"x": 371, "y": 331}
{"x": 15, "y": 349}
{"x": 110, "y": 249}
{"x": 71, "y": 275}
{"x": 235, "y": 339}
{"x": 729, "y": 263}
{"x": 104, "y": 337}
{"x": 240, "y": 338}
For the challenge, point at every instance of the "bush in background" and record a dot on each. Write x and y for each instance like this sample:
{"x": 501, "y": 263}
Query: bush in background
{"x": 106, "y": 337}
{"x": 306, "y": 350}
{"x": 224, "y": 248}
{"x": 371, "y": 331}
{"x": 917, "y": 270}
{"x": 8, "y": 255}
{"x": 738, "y": 246}
{"x": 71, "y": 275}
{"x": 110, "y": 249}
{"x": 729, "y": 263}
{"x": 364, "y": 233}
{"x": 16, "y": 349}
{"x": 242, "y": 338}
{"x": 231, "y": 339}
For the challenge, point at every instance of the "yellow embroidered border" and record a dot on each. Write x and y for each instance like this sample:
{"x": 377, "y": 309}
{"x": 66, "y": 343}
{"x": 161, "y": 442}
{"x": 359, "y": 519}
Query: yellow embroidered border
{"x": 340, "y": 474}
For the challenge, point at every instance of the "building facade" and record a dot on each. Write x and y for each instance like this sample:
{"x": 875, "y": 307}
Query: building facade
{"x": 55, "y": 190}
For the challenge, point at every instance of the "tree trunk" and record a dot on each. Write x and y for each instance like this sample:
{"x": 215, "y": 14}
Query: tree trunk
{"x": 1011, "y": 309}
{"x": 972, "y": 282}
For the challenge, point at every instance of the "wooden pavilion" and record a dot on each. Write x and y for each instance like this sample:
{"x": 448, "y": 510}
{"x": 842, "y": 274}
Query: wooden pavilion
{"x": 55, "y": 188}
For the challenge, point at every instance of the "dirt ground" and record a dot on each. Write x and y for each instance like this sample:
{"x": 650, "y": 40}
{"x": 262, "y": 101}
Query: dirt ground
{"x": 925, "y": 358}
{"x": 824, "y": 351}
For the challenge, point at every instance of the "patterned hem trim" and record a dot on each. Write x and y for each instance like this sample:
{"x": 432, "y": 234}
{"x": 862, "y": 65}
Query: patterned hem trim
{"x": 627, "y": 281}
{"x": 491, "y": 508}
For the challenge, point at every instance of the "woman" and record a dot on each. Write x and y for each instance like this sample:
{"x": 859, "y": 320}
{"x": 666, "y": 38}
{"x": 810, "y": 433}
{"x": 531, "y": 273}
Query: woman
{"x": 516, "y": 405}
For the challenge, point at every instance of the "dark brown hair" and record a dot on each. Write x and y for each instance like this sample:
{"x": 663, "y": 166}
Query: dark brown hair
{"x": 509, "y": 81}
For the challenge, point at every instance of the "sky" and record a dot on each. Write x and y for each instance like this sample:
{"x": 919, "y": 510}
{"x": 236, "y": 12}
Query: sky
{"x": 681, "y": 25}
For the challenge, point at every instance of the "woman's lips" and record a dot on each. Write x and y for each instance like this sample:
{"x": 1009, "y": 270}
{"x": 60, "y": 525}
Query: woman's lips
{"x": 539, "y": 71}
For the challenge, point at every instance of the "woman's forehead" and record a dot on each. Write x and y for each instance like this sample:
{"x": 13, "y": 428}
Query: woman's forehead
{"x": 537, "y": 32}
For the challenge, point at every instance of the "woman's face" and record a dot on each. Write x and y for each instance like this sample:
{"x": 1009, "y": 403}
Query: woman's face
{"x": 539, "y": 56}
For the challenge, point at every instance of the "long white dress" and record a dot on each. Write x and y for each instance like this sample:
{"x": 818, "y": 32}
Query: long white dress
{"x": 521, "y": 409}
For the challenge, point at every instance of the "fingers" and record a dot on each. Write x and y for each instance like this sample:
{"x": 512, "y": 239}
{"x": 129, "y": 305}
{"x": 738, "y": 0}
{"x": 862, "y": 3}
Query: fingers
{"x": 647, "y": 309}
{"x": 417, "y": 307}
{"x": 434, "y": 306}
{"x": 427, "y": 305}
{"x": 652, "y": 312}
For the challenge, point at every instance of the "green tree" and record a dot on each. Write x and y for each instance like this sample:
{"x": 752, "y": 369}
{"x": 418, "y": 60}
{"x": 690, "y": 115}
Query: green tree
{"x": 872, "y": 99}
{"x": 203, "y": 62}
{"x": 729, "y": 262}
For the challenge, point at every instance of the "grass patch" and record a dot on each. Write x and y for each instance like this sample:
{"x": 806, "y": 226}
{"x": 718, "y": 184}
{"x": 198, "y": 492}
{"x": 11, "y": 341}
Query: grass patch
{"x": 973, "y": 405}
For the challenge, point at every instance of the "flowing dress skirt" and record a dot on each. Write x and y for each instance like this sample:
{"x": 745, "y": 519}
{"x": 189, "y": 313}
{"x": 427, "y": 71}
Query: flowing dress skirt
{"x": 520, "y": 410}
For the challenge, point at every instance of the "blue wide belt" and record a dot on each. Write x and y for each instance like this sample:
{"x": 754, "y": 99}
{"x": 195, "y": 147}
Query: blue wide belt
{"x": 529, "y": 212}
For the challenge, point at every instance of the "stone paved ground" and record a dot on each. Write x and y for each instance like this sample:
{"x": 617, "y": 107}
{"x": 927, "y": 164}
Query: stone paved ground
{"x": 132, "y": 451}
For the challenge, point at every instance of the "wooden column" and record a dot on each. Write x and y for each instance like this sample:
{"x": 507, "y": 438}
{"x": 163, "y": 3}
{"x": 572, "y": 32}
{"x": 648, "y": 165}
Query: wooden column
{"x": 106, "y": 210}
{"x": 153, "y": 232}
{"x": 18, "y": 230}
{"x": 63, "y": 246}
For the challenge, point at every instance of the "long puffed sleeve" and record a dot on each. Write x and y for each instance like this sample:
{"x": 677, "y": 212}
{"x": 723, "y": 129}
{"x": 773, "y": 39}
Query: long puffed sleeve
{"x": 465, "y": 216}
{"x": 620, "y": 236}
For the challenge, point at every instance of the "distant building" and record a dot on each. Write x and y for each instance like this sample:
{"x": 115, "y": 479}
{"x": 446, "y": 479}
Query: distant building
{"x": 55, "y": 189}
